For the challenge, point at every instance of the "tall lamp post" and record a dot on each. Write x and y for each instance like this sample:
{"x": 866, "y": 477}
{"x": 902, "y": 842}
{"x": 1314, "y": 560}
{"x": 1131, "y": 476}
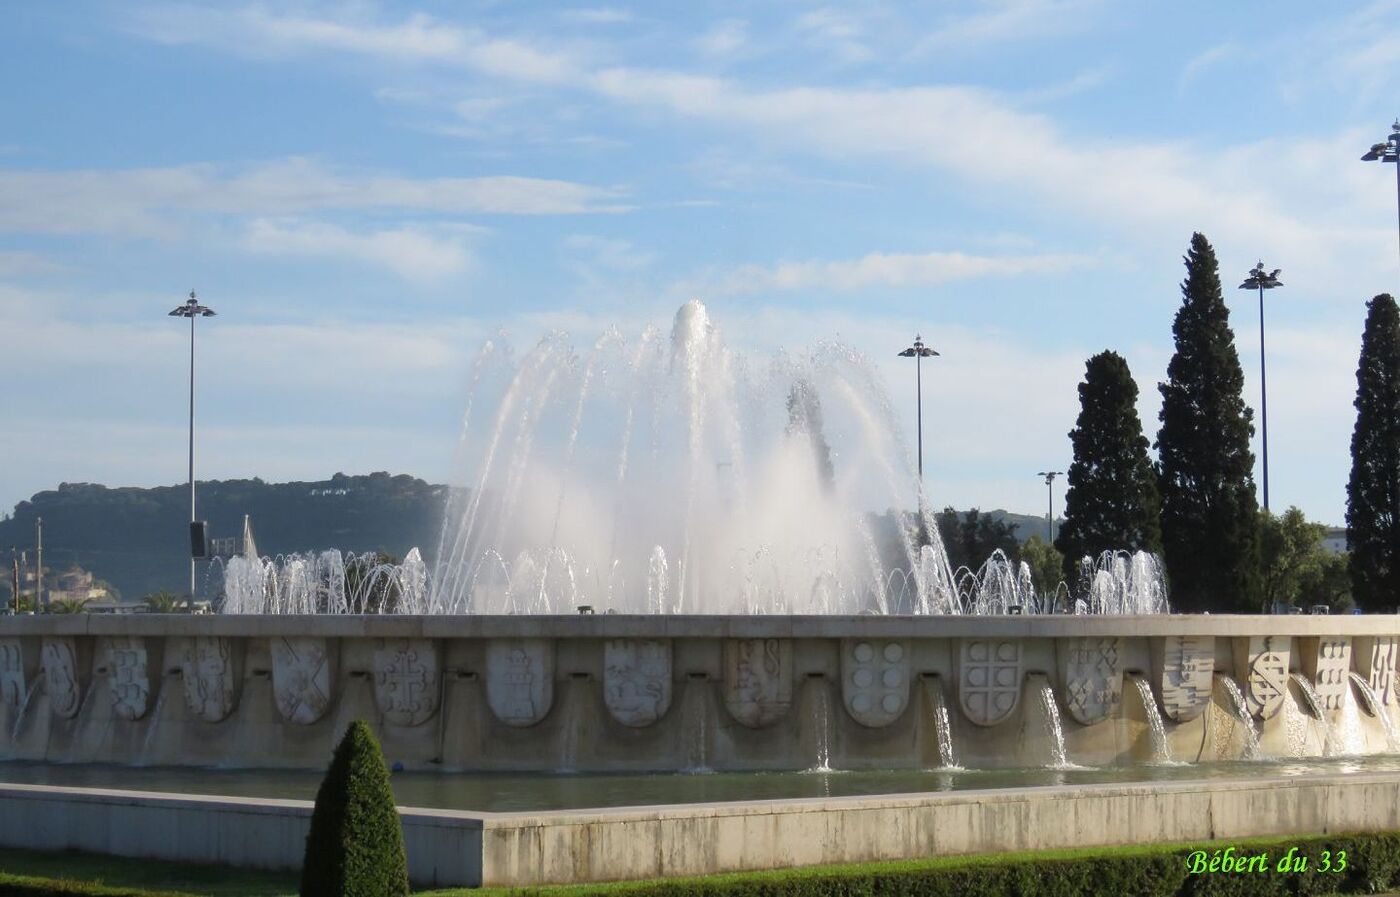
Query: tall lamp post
{"x": 1389, "y": 151}
{"x": 192, "y": 309}
{"x": 1262, "y": 280}
{"x": 919, "y": 352}
{"x": 1050, "y": 496}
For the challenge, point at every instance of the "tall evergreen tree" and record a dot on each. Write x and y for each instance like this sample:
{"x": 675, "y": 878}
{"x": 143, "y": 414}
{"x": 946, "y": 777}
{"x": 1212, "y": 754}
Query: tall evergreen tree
{"x": 1373, "y": 492}
{"x": 1210, "y": 519}
{"x": 1112, "y": 501}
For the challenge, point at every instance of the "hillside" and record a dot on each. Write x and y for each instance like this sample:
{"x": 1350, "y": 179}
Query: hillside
{"x": 137, "y": 538}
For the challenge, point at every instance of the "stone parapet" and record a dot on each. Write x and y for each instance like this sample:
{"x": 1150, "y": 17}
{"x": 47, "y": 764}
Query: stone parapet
{"x": 619, "y": 693}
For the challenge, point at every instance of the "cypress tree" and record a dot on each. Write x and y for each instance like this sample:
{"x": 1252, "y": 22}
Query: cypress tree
{"x": 355, "y": 846}
{"x": 1112, "y": 501}
{"x": 1210, "y": 519}
{"x": 1373, "y": 491}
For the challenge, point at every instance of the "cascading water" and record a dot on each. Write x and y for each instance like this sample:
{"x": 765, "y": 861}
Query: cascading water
{"x": 942, "y": 727}
{"x": 1243, "y": 716}
{"x": 1156, "y": 727}
{"x": 678, "y": 476}
{"x": 821, "y": 722}
{"x": 1329, "y": 737}
{"x": 1054, "y": 728}
{"x": 1376, "y": 707}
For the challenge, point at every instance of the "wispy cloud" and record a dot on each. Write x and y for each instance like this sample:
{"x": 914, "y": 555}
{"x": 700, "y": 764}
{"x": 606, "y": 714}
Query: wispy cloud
{"x": 723, "y": 38}
{"x": 837, "y": 30}
{"x": 418, "y": 38}
{"x": 154, "y": 202}
{"x": 22, "y": 263}
{"x": 1202, "y": 62}
{"x": 1002, "y": 21}
{"x": 600, "y": 15}
{"x": 413, "y": 253}
{"x": 878, "y": 270}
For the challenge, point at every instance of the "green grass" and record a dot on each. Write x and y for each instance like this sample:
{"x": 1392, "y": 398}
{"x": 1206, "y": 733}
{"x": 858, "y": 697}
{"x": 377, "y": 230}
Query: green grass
{"x": 147, "y": 875}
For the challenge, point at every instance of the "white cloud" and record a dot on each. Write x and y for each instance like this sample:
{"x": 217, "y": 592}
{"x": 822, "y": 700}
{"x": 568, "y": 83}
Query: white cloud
{"x": 610, "y": 253}
{"x": 22, "y": 263}
{"x": 1201, "y": 62}
{"x": 412, "y": 253}
{"x": 723, "y": 38}
{"x": 1001, "y": 21}
{"x": 602, "y": 15}
{"x": 837, "y": 30}
{"x": 880, "y": 270}
{"x": 419, "y": 38}
{"x": 155, "y": 202}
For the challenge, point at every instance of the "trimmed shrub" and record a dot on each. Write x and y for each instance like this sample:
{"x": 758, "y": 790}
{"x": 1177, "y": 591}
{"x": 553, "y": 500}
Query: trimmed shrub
{"x": 355, "y": 846}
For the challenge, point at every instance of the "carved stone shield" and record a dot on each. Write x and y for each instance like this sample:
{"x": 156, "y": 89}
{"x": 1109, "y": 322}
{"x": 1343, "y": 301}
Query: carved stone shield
{"x": 129, "y": 679}
{"x": 637, "y": 680}
{"x": 210, "y": 677}
{"x": 406, "y": 680}
{"x": 60, "y": 658}
{"x": 1184, "y": 670}
{"x": 302, "y": 673}
{"x": 989, "y": 679}
{"x": 12, "y": 684}
{"x": 875, "y": 679}
{"x": 1327, "y": 661}
{"x": 520, "y": 679}
{"x": 757, "y": 680}
{"x": 1267, "y": 677}
{"x": 1375, "y": 661}
{"x": 1092, "y": 673}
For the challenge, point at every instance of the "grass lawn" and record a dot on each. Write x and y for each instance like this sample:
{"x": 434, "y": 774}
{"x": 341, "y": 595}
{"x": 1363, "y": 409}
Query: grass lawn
{"x": 155, "y": 875}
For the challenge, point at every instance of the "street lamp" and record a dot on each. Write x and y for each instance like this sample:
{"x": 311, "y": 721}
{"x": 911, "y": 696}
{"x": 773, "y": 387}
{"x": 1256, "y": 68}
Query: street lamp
{"x": 1050, "y": 494}
{"x": 1262, "y": 280}
{"x": 1388, "y": 151}
{"x": 192, "y": 309}
{"x": 919, "y": 352}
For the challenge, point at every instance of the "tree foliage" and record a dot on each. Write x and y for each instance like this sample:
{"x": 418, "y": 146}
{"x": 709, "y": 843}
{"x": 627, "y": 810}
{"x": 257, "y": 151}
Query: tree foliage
{"x": 970, "y": 537}
{"x": 1210, "y": 520}
{"x": 1112, "y": 502}
{"x": 1046, "y": 563}
{"x": 1297, "y": 569}
{"x": 355, "y": 846}
{"x": 1373, "y": 491}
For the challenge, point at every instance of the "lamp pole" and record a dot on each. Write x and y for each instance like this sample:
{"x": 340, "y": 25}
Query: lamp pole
{"x": 192, "y": 309}
{"x": 919, "y": 352}
{"x": 1388, "y": 151}
{"x": 39, "y": 603}
{"x": 1261, "y": 280}
{"x": 1050, "y": 497}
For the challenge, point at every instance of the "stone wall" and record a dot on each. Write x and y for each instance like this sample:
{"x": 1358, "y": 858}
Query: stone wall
{"x": 659, "y": 692}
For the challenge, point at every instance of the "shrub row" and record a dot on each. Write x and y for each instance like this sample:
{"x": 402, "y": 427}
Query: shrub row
{"x": 1372, "y": 863}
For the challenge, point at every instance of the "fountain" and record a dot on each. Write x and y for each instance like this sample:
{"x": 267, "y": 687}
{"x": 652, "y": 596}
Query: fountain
{"x": 666, "y": 557}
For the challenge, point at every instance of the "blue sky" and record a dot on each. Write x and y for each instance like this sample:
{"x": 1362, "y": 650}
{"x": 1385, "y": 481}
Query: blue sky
{"x": 366, "y": 191}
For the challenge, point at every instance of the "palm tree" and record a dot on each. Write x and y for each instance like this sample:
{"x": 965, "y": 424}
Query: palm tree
{"x": 164, "y": 602}
{"x": 70, "y": 606}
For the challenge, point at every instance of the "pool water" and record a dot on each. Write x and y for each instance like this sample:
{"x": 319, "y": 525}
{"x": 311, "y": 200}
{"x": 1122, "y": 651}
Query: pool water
{"x": 502, "y": 792}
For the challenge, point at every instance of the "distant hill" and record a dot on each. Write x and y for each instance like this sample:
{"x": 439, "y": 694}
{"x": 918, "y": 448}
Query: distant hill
{"x": 138, "y": 539}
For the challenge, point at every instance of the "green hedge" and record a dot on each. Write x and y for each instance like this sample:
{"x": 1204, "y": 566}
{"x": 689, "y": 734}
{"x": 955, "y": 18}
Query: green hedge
{"x": 1372, "y": 864}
